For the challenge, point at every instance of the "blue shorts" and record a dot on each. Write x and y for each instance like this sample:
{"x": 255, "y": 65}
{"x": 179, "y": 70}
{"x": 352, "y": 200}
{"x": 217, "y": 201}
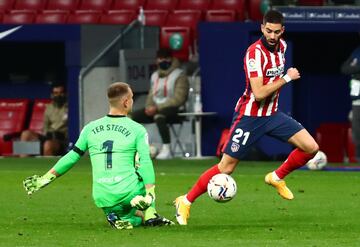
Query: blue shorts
{"x": 246, "y": 131}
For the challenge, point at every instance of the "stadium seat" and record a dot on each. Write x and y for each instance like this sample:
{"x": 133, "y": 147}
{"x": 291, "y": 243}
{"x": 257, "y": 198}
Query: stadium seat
{"x": 84, "y": 17}
{"x": 19, "y": 17}
{"x": 237, "y": 5}
{"x": 254, "y": 10}
{"x": 167, "y": 33}
{"x": 6, "y": 5}
{"x": 155, "y": 17}
{"x": 310, "y": 2}
{"x": 128, "y": 4}
{"x": 37, "y": 116}
{"x": 37, "y": 5}
{"x": 202, "y": 5}
{"x": 331, "y": 138}
{"x": 221, "y": 15}
{"x": 185, "y": 18}
{"x": 68, "y": 5}
{"x": 161, "y": 4}
{"x": 12, "y": 121}
{"x": 100, "y": 5}
{"x": 122, "y": 17}
{"x": 52, "y": 17}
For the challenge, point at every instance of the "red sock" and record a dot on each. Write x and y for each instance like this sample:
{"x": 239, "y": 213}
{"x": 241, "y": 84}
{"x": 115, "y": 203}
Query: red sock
{"x": 201, "y": 185}
{"x": 296, "y": 159}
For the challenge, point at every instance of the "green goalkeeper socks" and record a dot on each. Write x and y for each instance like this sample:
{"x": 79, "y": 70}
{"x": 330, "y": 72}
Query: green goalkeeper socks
{"x": 149, "y": 213}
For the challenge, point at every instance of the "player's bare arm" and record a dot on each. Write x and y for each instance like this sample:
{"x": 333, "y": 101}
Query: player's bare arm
{"x": 262, "y": 91}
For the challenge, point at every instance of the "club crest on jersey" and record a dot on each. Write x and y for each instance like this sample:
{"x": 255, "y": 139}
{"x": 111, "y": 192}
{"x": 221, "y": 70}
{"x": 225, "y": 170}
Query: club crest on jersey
{"x": 251, "y": 64}
{"x": 235, "y": 147}
{"x": 275, "y": 71}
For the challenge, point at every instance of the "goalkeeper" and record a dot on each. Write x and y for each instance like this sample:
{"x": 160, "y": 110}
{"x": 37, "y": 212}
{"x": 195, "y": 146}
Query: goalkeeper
{"x": 124, "y": 191}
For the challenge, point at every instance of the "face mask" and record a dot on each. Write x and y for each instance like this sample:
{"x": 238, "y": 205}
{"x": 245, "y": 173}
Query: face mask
{"x": 164, "y": 65}
{"x": 59, "y": 100}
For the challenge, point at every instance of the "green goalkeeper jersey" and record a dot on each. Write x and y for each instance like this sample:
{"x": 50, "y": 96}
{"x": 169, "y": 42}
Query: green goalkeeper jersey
{"x": 113, "y": 142}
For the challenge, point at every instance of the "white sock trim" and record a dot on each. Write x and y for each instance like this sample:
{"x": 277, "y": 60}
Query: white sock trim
{"x": 186, "y": 201}
{"x": 275, "y": 176}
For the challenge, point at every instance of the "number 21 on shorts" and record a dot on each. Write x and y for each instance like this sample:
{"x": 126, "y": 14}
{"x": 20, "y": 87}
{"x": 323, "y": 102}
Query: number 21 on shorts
{"x": 240, "y": 134}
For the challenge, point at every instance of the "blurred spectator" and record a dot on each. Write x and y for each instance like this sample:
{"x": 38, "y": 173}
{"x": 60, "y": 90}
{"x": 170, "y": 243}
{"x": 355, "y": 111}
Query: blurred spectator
{"x": 167, "y": 96}
{"x": 54, "y": 137}
{"x": 352, "y": 67}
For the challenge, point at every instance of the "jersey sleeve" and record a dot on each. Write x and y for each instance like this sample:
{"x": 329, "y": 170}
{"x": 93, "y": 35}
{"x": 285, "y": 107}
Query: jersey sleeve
{"x": 69, "y": 160}
{"x": 82, "y": 142}
{"x": 253, "y": 63}
{"x": 146, "y": 169}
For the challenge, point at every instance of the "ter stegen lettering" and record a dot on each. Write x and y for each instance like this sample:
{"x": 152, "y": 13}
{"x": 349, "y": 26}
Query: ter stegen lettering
{"x": 111, "y": 127}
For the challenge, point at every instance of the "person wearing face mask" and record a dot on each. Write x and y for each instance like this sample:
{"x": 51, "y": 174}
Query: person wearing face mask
{"x": 167, "y": 96}
{"x": 54, "y": 137}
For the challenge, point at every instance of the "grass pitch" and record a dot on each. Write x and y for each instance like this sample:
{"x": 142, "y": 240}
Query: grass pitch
{"x": 325, "y": 211}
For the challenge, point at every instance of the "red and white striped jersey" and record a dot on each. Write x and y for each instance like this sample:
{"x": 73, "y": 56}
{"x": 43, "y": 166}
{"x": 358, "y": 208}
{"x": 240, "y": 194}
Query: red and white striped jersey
{"x": 260, "y": 62}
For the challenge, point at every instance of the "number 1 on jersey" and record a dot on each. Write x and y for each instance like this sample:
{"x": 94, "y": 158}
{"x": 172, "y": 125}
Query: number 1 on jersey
{"x": 108, "y": 146}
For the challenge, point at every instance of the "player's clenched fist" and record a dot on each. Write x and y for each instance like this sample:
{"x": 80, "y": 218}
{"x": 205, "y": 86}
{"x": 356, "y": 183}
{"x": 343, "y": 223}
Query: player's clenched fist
{"x": 293, "y": 73}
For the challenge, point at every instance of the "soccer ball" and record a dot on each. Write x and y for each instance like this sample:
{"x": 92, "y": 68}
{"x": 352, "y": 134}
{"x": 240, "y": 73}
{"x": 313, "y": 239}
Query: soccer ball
{"x": 222, "y": 188}
{"x": 318, "y": 162}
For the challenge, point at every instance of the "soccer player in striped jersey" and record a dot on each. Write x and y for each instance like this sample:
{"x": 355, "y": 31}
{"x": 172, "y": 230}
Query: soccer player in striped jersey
{"x": 256, "y": 114}
{"x": 124, "y": 190}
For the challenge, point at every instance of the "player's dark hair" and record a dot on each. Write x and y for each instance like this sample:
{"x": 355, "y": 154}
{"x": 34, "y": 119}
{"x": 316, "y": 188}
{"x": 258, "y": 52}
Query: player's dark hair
{"x": 117, "y": 90}
{"x": 273, "y": 16}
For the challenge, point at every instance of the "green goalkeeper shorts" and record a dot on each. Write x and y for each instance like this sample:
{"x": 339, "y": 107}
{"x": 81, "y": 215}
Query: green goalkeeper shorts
{"x": 124, "y": 210}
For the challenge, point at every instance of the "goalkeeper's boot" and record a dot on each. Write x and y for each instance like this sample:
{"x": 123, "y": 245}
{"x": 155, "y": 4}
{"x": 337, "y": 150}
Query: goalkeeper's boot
{"x": 280, "y": 185}
{"x": 118, "y": 223}
{"x": 158, "y": 220}
{"x": 182, "y": 210}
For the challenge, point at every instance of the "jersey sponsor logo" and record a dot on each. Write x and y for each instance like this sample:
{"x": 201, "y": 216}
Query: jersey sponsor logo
{"x": 251, "y": 64}
{"x": 235, "y": 147}
{"x": 275, "y": 71}
{"x": 108, "y": 180}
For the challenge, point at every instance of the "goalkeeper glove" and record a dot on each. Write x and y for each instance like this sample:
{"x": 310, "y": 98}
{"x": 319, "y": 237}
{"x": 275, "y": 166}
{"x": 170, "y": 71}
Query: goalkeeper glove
{"x": 36, "y": 182}
{"x": 143, "y": 202}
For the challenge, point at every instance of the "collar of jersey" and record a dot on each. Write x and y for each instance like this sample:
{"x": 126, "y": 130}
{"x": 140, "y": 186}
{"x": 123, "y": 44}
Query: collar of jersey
{"x": 115, "y": 115}
{"x": 267, "y": 46}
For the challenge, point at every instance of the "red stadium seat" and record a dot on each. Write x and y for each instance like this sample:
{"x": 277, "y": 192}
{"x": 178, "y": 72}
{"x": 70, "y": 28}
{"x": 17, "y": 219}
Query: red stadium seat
{"x": 52, "y": 17}
{"x": 122, "y": 17}
{"x": 165, "y": 35}
{"x": 101, "y": 5}
{"x": 84, "y": 17}
{"x": 37, "y": 5}
{"x": 6, "y": 5}
{"x": 128, "y": 4}
{"x": 331, "y": 138}
{"x": 185, "y": 18}
{"x": 310, "y": 2}
{"x": 37, "y": 117}
{"x": 254, "y": 10}
{"x": 19, "y": 17}
{"x": 202, "y": 5}
{"x": 237, "y": 5}
{"x": 155, "y": 17}
{"x": 161, "y": 4}
{"x": 221, "y": 15}
{"x": 69, "y": 5}
{"x": 12, "y": 121}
